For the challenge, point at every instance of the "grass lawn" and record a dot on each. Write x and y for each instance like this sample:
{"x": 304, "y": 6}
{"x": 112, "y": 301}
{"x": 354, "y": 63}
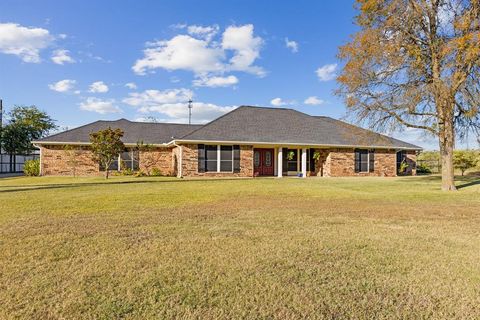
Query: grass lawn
{"x": 141, "y": 248}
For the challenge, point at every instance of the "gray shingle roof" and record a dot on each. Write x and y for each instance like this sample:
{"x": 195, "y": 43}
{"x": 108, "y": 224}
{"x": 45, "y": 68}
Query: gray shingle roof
{"x": 152, "y": 133}
{"x": 288, "y": 126}
{"x": 244, "y": 124}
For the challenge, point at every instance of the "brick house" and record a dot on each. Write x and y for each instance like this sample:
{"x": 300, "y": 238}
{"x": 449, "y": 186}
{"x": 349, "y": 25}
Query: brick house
{"x": 246, "y": 142}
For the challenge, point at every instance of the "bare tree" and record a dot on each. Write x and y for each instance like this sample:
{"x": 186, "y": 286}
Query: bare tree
{"x": 416, "y": 63}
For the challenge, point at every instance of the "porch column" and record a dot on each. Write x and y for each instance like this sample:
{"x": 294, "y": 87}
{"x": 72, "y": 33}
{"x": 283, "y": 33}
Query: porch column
{"x": 280, "y": 162}
{"x": 304, "y": 162}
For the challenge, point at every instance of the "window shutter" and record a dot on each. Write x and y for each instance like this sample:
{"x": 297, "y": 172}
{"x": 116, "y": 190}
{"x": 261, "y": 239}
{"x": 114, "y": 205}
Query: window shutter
{"x": 371, "y": 159}
{"x": 357, "y": 160}
{"x": 201, "y": 158}
{"x": 236, "y": 158}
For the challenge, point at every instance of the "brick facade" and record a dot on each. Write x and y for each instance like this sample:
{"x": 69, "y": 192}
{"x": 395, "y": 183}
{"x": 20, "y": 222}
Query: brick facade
{"x": 55, "y": 160}
{"x": 183, "y": 161}
{"x": 161, "y": 159}
{"x": 190, "y": 163}
{"x": 342, "y": 163}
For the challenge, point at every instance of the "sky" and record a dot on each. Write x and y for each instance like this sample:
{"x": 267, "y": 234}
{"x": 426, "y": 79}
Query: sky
{"x": 81, "y": 61}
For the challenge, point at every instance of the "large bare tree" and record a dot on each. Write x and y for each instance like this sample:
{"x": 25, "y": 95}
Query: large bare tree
{"x": 416, "y": 63}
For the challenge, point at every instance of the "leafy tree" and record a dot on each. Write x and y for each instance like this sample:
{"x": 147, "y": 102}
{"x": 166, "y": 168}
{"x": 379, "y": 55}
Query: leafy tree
{"x": 416, "y": 63}
{"x": 25, "y": 125}
{"x": 106, "y": 145}
{"x": 464, "y": 160}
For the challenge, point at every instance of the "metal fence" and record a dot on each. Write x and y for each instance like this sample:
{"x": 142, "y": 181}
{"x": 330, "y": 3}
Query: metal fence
{"x": 14, "y": 163}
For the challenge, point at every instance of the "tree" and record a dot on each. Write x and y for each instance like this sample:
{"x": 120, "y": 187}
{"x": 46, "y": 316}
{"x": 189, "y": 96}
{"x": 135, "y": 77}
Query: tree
{"x": 33, "y": 123}
{"x": 106, "y": 145}
{"x": 25, "y": 125}
{"x": 416, "y": 63}
{"x": 464, "y": 160}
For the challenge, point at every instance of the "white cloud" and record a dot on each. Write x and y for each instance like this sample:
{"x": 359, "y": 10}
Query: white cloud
{"x": 206, "y": 33}
{"x": 98, "y": 87}
{"x": 327, "y": 72}
{"x": 278, "y": 102}
{"x": 61, "y": 56}
{"x": 172, "y": 104}
{"x": 156, "y": 97}
{"x": 196, "y": 52}
{"x": 182, "y": 52}
{"x": 63, "y": 85}
{"x": 99, "y": 105}
{"x": 246, "y": 47}
{"x": 24, "y": 42}
{"x": 292, "y": 45}
{"x": 313, "y": 101}
{"x": 131, "y": 85}
{"x": 215, "y": 81}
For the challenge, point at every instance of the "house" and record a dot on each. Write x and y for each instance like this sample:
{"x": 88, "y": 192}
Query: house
{"x": 246, "y": 142}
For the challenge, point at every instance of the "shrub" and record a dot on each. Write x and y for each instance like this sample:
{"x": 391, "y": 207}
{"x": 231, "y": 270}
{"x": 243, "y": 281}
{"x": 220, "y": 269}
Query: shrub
{"x": 32, "y": 168}
{"x": 156, "y": 172}
{"x": 139, "y": 173}
{"x": 422, "y": 168}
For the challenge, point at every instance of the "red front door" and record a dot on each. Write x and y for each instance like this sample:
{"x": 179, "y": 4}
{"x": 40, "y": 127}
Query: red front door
{"x": 263, "y": 162}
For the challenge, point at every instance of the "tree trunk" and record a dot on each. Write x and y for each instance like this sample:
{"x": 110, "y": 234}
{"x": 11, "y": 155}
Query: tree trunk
{"x": 106, "y": 173}
{"x": 446, "y": 153}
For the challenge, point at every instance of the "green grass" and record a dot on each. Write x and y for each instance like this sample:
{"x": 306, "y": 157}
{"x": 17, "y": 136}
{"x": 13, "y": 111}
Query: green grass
{"x": 141, "y": 248}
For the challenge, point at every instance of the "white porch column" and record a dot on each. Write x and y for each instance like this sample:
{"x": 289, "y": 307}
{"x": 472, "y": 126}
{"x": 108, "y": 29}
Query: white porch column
{"x": 280, "y": 162}
{"x": 304, "y": 162}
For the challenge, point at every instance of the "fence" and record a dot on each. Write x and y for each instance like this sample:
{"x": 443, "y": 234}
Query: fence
{"x": 14, "y": 163}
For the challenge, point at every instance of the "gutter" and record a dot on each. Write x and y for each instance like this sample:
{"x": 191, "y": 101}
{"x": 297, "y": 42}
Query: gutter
{"x": 175, "y": 142}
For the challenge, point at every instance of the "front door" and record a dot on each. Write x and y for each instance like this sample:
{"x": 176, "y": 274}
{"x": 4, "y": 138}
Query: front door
{"x": 263, "y": 162}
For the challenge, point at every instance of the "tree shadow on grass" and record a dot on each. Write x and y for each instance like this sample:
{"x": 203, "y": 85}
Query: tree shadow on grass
{"x": 22, "y": 188}
{"x": 460, "y": 181}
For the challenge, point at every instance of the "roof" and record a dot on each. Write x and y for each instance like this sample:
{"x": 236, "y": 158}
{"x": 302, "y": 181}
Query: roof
{"x": 151, "y": 133}
{"x": 289, "y": 126}
{"x": 245, "y": 124}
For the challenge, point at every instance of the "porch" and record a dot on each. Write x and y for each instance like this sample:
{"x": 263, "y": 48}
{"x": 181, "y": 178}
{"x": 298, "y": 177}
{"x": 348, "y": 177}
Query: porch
{"x": 283, "y": 161}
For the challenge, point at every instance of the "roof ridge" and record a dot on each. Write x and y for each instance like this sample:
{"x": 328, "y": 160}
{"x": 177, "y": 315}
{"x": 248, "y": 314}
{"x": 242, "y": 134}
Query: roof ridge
{"x": 61, "y": 132}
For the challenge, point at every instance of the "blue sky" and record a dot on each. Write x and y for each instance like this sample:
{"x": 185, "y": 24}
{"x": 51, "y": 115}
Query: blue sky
{"x": 87, "y": 60}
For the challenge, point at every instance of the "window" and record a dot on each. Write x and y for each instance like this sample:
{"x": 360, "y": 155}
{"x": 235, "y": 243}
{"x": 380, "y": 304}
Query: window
{"x": 218, "y": 158}
{"x": 125, "y": 160}
{"x": 211, "y": 156}
{"x": 364, "y": 160}
{"x": 292, "y": 156}
{"x": 226, "y": 158}
{"x": 129, "y": 160}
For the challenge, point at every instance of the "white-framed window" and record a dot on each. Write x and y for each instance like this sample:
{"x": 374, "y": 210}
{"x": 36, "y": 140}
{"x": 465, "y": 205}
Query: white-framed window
{"x": 219, "y": 158}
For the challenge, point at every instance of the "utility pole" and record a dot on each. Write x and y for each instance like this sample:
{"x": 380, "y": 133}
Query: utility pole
{"x": 190, "y": 106}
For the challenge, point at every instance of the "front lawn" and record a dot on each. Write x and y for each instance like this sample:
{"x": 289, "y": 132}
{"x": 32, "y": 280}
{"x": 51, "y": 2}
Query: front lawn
{"x": 142, "y": 248}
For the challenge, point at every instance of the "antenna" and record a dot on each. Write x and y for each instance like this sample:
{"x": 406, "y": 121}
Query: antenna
{"x": 190, "y": 106}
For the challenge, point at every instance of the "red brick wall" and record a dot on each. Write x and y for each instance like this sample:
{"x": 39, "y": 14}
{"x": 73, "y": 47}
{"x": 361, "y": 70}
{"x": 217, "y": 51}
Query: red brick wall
{"x": 158, "y": 158}
{"x": 55, "y": 160}
{"x": 340, "y": 162}
{"x": 190, "y": 163}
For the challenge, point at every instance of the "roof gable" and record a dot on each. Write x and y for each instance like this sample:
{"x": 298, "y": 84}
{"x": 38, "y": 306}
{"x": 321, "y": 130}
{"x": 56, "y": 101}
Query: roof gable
{"x": 288, "y": 126}
{"x": 151, "y": 133}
